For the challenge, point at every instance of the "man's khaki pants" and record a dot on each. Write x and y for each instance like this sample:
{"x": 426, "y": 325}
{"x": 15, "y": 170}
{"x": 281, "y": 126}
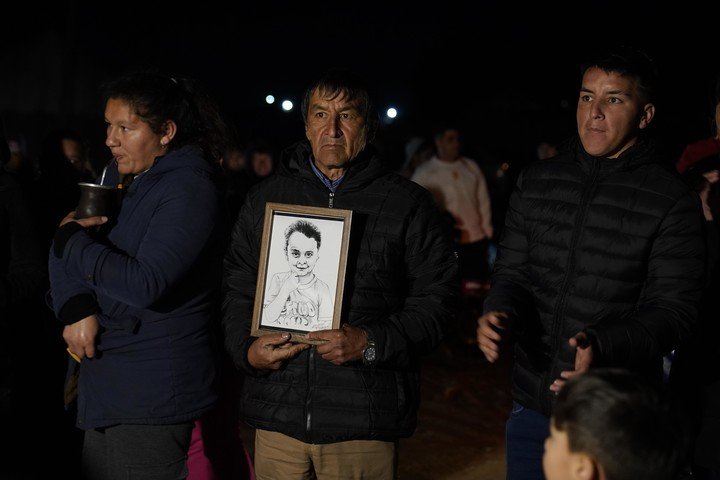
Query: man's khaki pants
{"x": 279, "y": 457}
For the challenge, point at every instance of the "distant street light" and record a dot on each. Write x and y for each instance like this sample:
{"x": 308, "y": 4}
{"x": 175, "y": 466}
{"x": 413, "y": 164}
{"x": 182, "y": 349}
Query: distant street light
{"x": 391, "y": 112}
{"x": 287, "y": 105}
{"x": 270, "y": 99}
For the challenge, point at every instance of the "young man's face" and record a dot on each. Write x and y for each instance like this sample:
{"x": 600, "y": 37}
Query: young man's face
{"x": 302, "y": 254}
{"x": 610, "y": 113}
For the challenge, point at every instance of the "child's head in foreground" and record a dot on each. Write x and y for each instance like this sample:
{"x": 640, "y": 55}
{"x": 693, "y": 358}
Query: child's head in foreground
{"x": 609, "y": 424}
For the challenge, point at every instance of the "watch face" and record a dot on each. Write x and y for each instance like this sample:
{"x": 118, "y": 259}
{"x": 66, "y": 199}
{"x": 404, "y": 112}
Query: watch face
{"x": 369, "y": 354}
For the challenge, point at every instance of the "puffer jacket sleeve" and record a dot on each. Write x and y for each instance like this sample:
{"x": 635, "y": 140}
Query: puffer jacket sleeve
{"x": 432, "y": 292}
{"x": 668, "y": 307}
{"x": 510, "y": 291}
{"x": 239, "y": 283}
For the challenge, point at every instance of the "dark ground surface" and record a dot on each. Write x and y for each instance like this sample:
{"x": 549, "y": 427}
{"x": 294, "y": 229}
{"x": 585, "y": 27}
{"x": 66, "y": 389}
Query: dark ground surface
{"x": 461, "y": 424}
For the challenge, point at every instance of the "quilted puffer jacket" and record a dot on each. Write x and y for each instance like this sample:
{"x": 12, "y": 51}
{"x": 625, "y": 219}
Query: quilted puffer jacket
{"x": 401, "y": 285}
{"x": 611, "y": 247}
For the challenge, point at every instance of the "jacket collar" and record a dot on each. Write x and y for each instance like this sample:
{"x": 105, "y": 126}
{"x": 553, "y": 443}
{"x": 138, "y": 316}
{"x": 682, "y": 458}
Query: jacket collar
{"x": 188, "y": 156}
{"x": 363, "y": 169}
{"x": 641, "y": 153}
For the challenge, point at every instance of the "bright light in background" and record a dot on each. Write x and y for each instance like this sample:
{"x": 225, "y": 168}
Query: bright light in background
{"x": 287, "y": 105}
{"x": 391, "y": 112}
{"x": 269, "y": 99}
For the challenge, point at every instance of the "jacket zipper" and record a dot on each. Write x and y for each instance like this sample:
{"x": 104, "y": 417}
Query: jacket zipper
{"x": 580, "y": 220}
{"x": 311, "y": 362}
{"x": 308, "y": 400}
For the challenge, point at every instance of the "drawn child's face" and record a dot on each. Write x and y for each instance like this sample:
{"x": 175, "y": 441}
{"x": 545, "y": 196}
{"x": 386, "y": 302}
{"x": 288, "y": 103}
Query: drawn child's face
{"x": 302, "y": 254}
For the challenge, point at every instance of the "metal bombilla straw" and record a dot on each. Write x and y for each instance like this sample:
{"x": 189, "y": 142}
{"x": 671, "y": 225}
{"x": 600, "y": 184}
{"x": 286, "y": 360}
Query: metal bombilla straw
{"x": 102, "y": 177}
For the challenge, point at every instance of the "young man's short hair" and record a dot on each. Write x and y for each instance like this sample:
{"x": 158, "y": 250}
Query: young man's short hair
{"x": 632, "y": 63}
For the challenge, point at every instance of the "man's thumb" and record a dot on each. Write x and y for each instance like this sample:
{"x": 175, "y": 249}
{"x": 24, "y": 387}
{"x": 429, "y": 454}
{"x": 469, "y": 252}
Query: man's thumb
{"x": 279, "y": 339}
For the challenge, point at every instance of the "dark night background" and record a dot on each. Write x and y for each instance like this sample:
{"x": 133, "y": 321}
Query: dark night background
{"x": 506, "y": 72}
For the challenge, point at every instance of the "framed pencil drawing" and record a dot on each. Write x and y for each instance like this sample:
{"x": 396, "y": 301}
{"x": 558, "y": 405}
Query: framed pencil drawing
{"x": 301, "y": 275}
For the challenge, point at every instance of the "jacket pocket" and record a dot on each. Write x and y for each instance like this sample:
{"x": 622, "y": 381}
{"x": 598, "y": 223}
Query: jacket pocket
{"x": 125, "y": 323}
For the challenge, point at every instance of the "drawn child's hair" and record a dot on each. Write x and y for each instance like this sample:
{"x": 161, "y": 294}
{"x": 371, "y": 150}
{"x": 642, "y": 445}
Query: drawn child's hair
{"x": 308, "y": 229}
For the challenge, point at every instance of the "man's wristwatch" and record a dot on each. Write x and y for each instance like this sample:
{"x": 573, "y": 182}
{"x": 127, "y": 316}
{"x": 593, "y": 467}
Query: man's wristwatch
{"x": 369, "y": 353}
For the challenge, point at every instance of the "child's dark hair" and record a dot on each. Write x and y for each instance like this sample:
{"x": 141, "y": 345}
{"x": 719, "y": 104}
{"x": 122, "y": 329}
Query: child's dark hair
{"x": 624, "y": 423}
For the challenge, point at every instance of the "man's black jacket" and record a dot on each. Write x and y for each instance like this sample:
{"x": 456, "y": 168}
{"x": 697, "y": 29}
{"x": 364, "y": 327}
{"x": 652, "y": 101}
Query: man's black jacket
{"x": 613, "y": 247}
{"x": 401, "y": 285}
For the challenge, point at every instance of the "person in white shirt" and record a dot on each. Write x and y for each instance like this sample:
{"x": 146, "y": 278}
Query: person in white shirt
{"x": 459, "y": 187}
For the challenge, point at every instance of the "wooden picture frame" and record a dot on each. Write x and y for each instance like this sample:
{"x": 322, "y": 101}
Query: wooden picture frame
{"x": 301, "y": 275}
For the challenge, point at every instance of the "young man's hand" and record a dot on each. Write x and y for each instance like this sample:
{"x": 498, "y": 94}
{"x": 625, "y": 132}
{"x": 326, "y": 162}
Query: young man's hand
{"x": 490, "y": 332}
{"x": 583, "y": 359}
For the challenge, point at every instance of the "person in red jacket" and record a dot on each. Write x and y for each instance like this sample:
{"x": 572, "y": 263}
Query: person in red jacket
{"x": 694, "y": 375}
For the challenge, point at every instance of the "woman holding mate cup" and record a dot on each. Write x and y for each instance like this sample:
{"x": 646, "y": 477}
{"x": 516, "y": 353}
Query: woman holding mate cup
{"x": 138, "y": 302}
